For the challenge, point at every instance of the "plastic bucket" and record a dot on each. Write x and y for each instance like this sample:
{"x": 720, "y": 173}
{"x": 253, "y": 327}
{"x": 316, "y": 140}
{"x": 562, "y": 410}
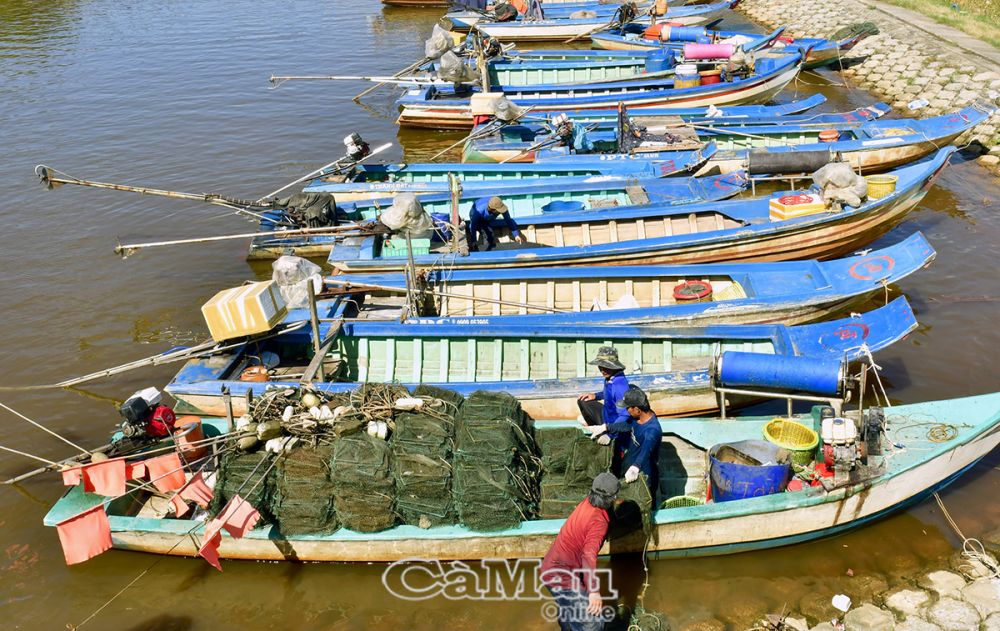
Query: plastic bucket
{"x": 187, "y": 430}
{"x": 710, "y": 77}
{"x": 659, "y": 60}
{"x": 798, "y": 439}
{"x": 686, "y": 76}
{"x": 881, "y": 185}
{"x": 737, "y": 481}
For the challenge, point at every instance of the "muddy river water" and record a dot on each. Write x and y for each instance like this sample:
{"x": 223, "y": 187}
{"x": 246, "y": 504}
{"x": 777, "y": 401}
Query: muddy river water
{"x": 175, "y": 95}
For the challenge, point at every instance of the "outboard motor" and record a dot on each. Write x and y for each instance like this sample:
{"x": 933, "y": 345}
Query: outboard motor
{"x": 145, "y": 417}
{"x": 357, "y": 148}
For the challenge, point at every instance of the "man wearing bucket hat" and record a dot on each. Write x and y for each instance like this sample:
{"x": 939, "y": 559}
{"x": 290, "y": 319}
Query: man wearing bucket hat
{"x": 643, "y": 437}
{"x": 568, "y": 567}
{"x": 484, "y": 211}
{"x": 598, "y": 410}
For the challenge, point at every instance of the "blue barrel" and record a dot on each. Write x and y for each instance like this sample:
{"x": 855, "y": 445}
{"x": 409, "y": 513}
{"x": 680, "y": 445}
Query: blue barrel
{"x": 659, "y": 60}
{"x": 686, "y": 33}
{"x": 732, "y": 481}
{"x": 781, "y": 372}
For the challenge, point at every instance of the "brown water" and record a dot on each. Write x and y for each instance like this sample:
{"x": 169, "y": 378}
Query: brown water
{"x": 174, "y": 95}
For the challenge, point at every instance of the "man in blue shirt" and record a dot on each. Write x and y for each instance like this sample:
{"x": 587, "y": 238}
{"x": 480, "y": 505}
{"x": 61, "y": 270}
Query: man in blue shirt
{"x": 598, "y": 410}
{"x": 484, "y": 211}
{"x": 644, "y": 435}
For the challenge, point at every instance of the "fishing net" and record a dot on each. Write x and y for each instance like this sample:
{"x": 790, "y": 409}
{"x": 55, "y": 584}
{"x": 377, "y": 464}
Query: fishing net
{"x": 497, "y": 466}
{"x": 364, "y": 493}
{"x": 571, "y": 461}
{"x": 633, "y": 510}
{"x": 422, "y": 447}
{"x": 248, "y": 475}
{"x": 302, "y": 501}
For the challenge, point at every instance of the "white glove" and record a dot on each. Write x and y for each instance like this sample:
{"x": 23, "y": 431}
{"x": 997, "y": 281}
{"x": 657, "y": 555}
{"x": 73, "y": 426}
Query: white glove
{"x": 597, "y": 430}
{"x": 604, "y": 439}
{"x": 632, "y": 474}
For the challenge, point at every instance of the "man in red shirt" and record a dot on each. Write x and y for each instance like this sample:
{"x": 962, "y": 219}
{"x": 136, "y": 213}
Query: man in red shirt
{"x": 568, "y": 567}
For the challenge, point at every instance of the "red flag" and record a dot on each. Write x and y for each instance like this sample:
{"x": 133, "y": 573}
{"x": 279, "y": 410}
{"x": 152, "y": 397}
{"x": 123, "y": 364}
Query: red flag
{"x": 209, "y": 549}
{"x": 135, "y": 470}
{"x": 105, "y": 478}
{"x": 84, "y": 536}
{"x": 197, "y": 491}
{"x": 72, "y": 477}
{"x": 166, "y": 472}
{"x": 238, "y": 516}
{"x": 180, "y": 506}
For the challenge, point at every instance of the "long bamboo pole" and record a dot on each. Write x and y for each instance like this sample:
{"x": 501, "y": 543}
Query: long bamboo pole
{"x": 129, "y": 249}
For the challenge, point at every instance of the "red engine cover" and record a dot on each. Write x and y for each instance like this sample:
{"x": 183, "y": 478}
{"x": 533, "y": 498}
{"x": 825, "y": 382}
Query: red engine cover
{"x": 161, "y": 423}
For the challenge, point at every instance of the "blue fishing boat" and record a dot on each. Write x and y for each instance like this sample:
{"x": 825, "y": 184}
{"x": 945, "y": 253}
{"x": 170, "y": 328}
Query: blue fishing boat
{"x": 557, "y": 25}
{"x": 551, "y": 196}
{"x": 793, "y": 147}
{"x": 637, "y": 37}
{"x": 737, "y": 230}
{"x": 790, "y": 292}
{"x": 949, "y": 439}
{"x": 452, "y": 108}
{"x": 370, "y": 181}
{"x": 545, "y": 367}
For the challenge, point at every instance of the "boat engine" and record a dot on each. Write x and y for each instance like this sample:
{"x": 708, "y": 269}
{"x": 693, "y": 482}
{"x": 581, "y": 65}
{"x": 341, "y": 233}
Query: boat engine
{"x": 144, "y": 416}
{"x": 357, "y": 148}
{"x": 841, "y": 448}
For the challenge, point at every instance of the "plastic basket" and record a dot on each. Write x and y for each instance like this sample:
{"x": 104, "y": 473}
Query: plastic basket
{"x": 798, "y": 439}
{"x": 681, "y": 501}
{"x": 881, "y": 185}
{"x": 397, "y": 247}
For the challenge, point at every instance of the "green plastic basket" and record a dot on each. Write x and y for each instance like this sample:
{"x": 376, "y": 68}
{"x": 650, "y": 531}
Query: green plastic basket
{"x": 798, "y": 439}
{"x": 681, "y": 501}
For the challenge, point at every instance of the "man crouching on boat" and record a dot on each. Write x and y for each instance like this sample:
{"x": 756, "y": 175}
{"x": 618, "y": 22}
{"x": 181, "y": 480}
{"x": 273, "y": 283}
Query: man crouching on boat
{"x": 600, "y": 410}
{"x": 644, "y": 435}
{"x": 568, "y": 569}
{"x": 484, "y": 211}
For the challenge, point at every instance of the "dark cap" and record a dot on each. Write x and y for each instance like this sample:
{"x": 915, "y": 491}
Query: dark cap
{"x": 606, "y": 484}
{"x": 634, "y": 397}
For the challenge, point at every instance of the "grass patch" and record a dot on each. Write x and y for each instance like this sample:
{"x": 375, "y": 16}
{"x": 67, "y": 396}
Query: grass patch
{"x": 978, "y": 18}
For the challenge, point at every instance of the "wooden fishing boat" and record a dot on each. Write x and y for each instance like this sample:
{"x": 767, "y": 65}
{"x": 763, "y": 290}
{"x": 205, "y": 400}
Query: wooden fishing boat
{"x": 940, "y": 440}
{"x": 870, "y": 146}
{"x": 544, "y": 367}
{"x": 739, "y": 230}
{"x": 792, "y": 292}
{"x": 637, "y": 37}
{"x": 435, "y": 107}
{"x": 558, "y": 26}
{"x": 373, "y": 181}
{"x": 551, "y": 196}
{"x": 517, "y": 68}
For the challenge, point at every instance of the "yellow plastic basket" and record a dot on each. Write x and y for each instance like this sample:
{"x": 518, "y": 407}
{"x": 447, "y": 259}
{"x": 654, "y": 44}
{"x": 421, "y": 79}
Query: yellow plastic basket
{"x": 800, "y": 440}
{"x": 881, "y": 185}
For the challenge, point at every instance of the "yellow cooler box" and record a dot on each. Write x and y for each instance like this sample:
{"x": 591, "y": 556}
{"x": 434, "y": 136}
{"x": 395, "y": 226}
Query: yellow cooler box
{"x": 798, "y": 205}
{"x": 246, "y": 310}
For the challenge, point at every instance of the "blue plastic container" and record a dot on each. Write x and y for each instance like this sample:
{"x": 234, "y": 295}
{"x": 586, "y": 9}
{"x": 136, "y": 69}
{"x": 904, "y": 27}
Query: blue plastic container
{"x": 687, "y": 34}
{"x": 731, "y": 481}
{"x": 659, "y": 60}
{"x": 787, "y": 373}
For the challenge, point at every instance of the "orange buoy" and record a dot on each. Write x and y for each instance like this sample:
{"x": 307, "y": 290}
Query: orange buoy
{"x": 829, "y": 135}
{"x": 187, "y": 430}
{"x": 254, "y": 373}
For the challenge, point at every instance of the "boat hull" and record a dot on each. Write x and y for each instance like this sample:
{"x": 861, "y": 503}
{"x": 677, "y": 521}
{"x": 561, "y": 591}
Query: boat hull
{"x": 712, "y": 529}
{"x": 441, "y": 115}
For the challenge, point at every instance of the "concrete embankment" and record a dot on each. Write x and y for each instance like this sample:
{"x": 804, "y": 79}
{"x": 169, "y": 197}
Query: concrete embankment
{"x": 910, "y": 58}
